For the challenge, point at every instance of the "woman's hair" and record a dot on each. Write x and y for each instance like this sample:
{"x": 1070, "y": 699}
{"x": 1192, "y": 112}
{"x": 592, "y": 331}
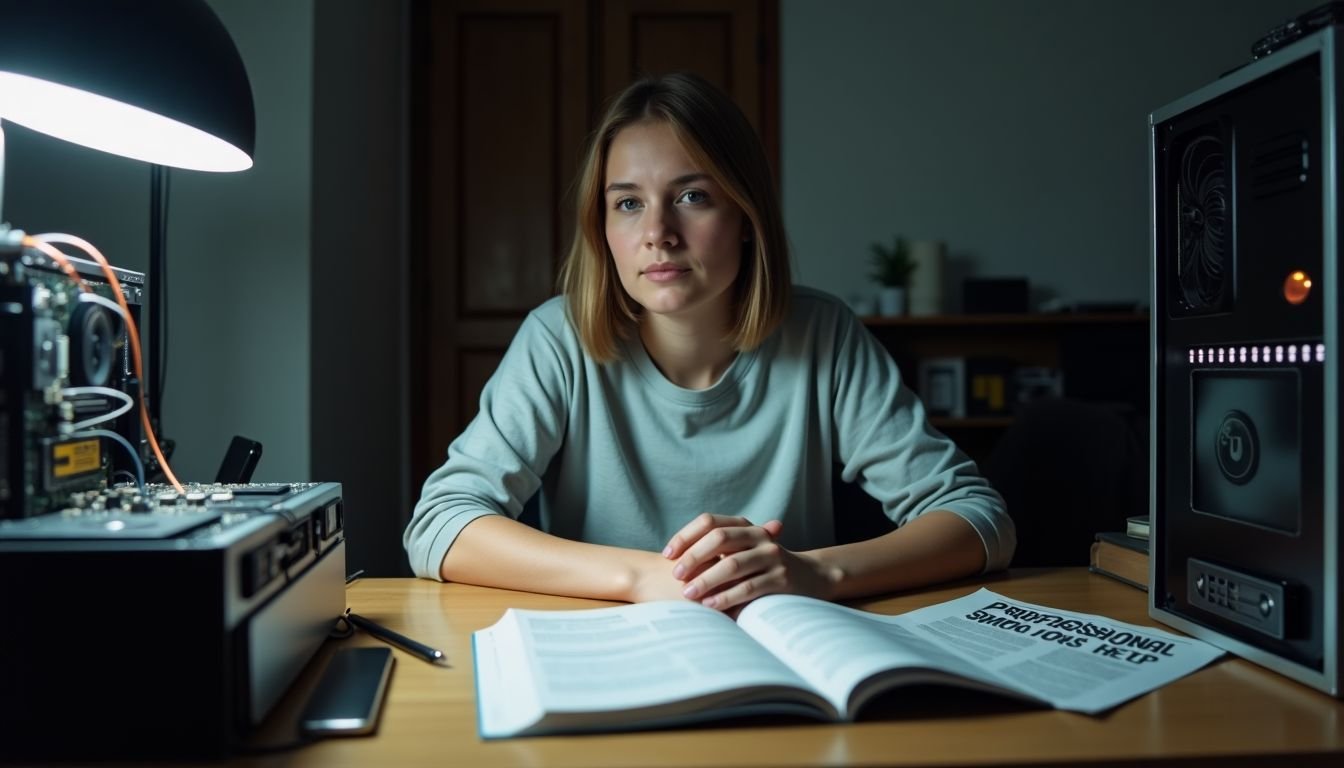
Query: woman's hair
{"x": 718, "y": 138}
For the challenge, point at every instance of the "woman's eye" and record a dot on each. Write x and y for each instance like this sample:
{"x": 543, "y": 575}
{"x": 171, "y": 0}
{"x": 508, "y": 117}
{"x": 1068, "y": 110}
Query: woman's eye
{"x": 693, "y": 196}
{"x": 627, "y": 204}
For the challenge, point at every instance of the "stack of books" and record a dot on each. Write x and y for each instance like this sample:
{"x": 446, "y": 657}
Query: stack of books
{"x": 1123, "y": 555}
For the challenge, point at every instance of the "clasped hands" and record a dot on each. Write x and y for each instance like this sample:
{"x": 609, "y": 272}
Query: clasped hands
{"x": 726, "y": 562}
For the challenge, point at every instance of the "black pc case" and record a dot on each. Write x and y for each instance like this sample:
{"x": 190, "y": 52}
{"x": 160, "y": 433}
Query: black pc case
{"x": 1245, "y": 425}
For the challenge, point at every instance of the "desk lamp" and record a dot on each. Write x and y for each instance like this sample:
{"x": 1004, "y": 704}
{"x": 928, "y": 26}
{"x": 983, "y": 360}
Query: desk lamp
{"x": 154, "y": 80}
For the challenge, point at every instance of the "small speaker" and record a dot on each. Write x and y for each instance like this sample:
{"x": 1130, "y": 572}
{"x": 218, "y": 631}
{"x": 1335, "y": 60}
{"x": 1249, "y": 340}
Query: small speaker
{"x": 994, "y": 295}
{"x": 1247, "y": 447}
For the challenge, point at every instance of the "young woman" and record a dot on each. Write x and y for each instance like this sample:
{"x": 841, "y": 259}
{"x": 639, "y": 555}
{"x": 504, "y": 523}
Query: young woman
{"x": 680, "y": 408}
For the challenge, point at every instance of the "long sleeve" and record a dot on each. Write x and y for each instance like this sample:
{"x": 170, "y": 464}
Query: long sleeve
{"x": 885, "y": 442}
{"x": 496, "y": 464}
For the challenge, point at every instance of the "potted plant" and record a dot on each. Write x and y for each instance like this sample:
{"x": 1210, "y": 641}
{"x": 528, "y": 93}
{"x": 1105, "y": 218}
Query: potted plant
{"x": 892, "y": 267}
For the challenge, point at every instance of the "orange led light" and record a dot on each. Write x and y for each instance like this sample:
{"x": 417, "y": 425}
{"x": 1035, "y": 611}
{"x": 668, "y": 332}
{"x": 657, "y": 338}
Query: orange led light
{"x": 1297, "y": 287}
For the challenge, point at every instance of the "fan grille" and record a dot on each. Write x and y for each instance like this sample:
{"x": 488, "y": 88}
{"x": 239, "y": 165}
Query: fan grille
{"x": 1202, "y": 213}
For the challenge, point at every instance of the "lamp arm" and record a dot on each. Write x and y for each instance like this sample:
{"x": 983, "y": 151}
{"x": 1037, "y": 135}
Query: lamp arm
{"x": 158, "y": 294}
{"x": 2, "y": 175}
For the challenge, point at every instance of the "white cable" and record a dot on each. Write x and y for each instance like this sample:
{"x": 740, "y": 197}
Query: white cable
{"x": 103, "y": 301}
{"x": 127, "y": 404}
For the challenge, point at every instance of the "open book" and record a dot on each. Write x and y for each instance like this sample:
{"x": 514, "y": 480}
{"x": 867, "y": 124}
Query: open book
{"x": 666, "y": 663}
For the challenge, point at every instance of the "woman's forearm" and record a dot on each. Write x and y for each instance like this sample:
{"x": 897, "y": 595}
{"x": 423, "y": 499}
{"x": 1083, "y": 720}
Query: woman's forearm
{"x": 937, "y": 546}
{"x": 497, "y": 551}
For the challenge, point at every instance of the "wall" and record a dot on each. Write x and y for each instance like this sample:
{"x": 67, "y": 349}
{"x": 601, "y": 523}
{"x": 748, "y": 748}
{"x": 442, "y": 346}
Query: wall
{"x": 360, "y": 405}
{"x": 239, "y": 258}
{"x": 237, "y": 252}
{"x": 1013, "y": 130}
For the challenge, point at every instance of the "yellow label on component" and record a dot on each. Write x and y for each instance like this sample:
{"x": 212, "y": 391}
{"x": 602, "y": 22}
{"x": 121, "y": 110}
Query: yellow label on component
{"x": 68, "y": 459}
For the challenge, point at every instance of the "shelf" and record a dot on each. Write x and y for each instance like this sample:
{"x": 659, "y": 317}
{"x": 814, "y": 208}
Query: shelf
{"x": 1036, "y": 318}
{"x": 1102, "y": 357}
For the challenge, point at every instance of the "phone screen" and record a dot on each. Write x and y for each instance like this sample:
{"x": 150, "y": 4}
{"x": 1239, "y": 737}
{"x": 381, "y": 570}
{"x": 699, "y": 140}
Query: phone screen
{"x": 350, "y": 694}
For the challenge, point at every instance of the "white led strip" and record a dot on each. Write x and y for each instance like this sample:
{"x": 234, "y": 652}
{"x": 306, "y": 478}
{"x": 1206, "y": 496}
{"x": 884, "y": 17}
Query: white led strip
{"x": 1264, "y": 354}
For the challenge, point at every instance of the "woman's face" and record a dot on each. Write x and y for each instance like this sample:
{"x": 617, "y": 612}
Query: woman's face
{"x": 674, "y": 234}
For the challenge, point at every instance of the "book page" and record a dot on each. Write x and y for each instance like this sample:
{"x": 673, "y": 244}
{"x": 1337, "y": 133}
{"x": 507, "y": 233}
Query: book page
{"x": 838, "y": 649}
{"x": 626, "y": 661}
{"x": 506, "y": 695}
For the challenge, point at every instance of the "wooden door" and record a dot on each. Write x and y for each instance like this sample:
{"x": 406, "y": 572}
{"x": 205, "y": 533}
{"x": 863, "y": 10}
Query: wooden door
{"x": 506, "y": 93}
{"x": 505, "y": 99}
{"x": 730, "y": 43}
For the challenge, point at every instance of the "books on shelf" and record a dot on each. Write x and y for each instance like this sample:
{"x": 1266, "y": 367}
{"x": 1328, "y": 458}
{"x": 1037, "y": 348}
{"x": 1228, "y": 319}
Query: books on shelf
{"x": 990, "y": 386}
{"x": 674, "y": 662}
{"x": 1137, "y": 526}
{"x": 1122, "y": 557}
{"x": 942, "y": 386}
{"x": 972, "y": 387}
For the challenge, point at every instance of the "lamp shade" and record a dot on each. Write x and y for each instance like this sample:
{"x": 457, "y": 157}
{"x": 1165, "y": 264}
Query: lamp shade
{"x": 155, "y": 80}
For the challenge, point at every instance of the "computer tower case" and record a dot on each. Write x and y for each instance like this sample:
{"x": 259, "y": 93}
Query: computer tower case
{"x": 1245, "y": 438}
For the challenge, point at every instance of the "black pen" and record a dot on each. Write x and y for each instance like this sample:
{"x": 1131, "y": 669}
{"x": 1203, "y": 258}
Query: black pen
{"x": 396, "y": 638}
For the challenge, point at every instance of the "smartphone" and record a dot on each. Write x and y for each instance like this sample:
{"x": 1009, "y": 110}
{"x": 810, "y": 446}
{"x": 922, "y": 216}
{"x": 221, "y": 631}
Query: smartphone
{"x": 349, "y": 697}
{"x": 239, "y": 461}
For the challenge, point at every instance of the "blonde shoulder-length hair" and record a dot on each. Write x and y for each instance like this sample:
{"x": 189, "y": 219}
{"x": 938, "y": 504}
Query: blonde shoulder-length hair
{"x": 718, "y": 138}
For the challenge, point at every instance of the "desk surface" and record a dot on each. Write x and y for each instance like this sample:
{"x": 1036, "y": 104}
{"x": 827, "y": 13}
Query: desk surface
{"x": 1230, "y": 713}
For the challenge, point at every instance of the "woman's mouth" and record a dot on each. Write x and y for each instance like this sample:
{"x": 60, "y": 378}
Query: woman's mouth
{"x": 663, "y": 273}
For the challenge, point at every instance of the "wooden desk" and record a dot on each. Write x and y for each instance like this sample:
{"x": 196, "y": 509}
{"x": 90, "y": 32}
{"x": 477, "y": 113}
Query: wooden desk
{"x": 1230, "y": 713}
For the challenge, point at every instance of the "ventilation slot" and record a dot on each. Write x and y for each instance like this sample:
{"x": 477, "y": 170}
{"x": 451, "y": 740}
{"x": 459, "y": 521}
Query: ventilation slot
{"x": 1279, "y": 165}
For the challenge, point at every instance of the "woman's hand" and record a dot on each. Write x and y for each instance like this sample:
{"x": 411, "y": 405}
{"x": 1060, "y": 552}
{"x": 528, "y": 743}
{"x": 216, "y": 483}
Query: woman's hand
{"x": 726, "y": 562}
{"x": 651, "y": 579}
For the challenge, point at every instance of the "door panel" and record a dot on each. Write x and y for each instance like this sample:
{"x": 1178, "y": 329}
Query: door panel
{"x": 720, "y": 40}
{"x": 508, "y": 188}
{"x": 505, "y": 102}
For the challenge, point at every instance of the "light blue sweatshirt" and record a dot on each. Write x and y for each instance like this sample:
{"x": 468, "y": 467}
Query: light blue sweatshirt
{"x": 622, "y": 456}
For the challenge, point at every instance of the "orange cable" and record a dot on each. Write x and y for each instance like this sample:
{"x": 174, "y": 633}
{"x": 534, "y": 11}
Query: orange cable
{"x": 132, "y": 332}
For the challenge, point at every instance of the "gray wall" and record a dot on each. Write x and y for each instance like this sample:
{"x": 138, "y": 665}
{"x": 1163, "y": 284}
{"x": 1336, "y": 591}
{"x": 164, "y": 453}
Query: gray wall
{"x": 239, "y": 257}
{"x": 360, "y": 407}
{"x": 1013, "y": 130}
{"x": 237, "y": 252}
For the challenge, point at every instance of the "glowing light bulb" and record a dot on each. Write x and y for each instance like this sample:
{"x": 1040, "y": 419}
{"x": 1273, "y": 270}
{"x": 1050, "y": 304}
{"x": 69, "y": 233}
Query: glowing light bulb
{"x": 1296, "y": 287}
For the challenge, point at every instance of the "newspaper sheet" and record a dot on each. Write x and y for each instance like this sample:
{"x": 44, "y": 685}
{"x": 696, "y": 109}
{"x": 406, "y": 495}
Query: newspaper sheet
{"x": 1074, "y": 661}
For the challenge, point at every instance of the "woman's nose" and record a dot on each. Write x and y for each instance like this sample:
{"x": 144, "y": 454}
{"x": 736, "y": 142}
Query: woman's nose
{"x": 660, "y": 230}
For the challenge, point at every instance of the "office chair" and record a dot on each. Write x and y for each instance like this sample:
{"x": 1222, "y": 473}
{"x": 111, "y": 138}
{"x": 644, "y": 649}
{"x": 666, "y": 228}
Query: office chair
{"x": 1068, "y": 469}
